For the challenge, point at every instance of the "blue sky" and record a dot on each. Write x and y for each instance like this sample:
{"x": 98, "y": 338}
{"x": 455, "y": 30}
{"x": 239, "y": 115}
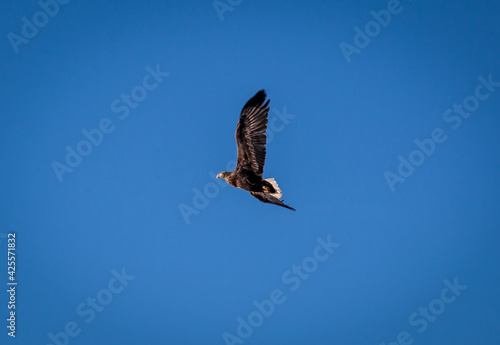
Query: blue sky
{"x": 389, "y": 153}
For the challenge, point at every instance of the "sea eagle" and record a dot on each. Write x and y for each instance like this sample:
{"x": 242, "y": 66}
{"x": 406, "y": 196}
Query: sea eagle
{"x": 251, "y": 144}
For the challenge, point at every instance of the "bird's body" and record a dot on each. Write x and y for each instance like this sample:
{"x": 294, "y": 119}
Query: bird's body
{"x": 251, "y": 142}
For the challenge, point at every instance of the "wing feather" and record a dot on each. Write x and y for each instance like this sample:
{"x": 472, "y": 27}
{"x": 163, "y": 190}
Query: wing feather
{"x": 250, "y": 134}
{"x": 269, "y": 198}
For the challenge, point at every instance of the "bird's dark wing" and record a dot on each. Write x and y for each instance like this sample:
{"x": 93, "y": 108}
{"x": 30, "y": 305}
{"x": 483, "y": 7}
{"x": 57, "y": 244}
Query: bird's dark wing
{"x": 250, "y": 134}
{"x": 267, "y": 197}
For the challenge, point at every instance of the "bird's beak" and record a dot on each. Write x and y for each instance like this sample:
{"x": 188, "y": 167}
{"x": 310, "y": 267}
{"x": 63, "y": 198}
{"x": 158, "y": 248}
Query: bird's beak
{"x": 219, "y": 176}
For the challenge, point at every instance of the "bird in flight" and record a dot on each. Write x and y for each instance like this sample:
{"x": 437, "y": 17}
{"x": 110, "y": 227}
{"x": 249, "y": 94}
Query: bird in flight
{"x": 251, "y": 143}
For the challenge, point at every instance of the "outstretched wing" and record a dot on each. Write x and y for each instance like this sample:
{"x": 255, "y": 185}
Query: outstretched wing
{"x": 250, "y": 134}
{"x": 267, "y": 197}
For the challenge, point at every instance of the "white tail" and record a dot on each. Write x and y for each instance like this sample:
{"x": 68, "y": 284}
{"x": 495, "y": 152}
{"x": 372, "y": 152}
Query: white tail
{"x": 278, "y": 193}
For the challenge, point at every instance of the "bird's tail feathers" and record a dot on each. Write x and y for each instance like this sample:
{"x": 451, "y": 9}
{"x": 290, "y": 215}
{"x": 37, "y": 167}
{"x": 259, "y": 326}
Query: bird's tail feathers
{"x": 273, "y": 182}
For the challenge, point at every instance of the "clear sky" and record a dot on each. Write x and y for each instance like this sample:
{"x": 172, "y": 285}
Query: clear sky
{"x": 115, "y": 115}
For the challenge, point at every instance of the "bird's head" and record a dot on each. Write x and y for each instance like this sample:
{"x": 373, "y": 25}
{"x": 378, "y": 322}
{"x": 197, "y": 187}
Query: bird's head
{"x": 223, "y": 174}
